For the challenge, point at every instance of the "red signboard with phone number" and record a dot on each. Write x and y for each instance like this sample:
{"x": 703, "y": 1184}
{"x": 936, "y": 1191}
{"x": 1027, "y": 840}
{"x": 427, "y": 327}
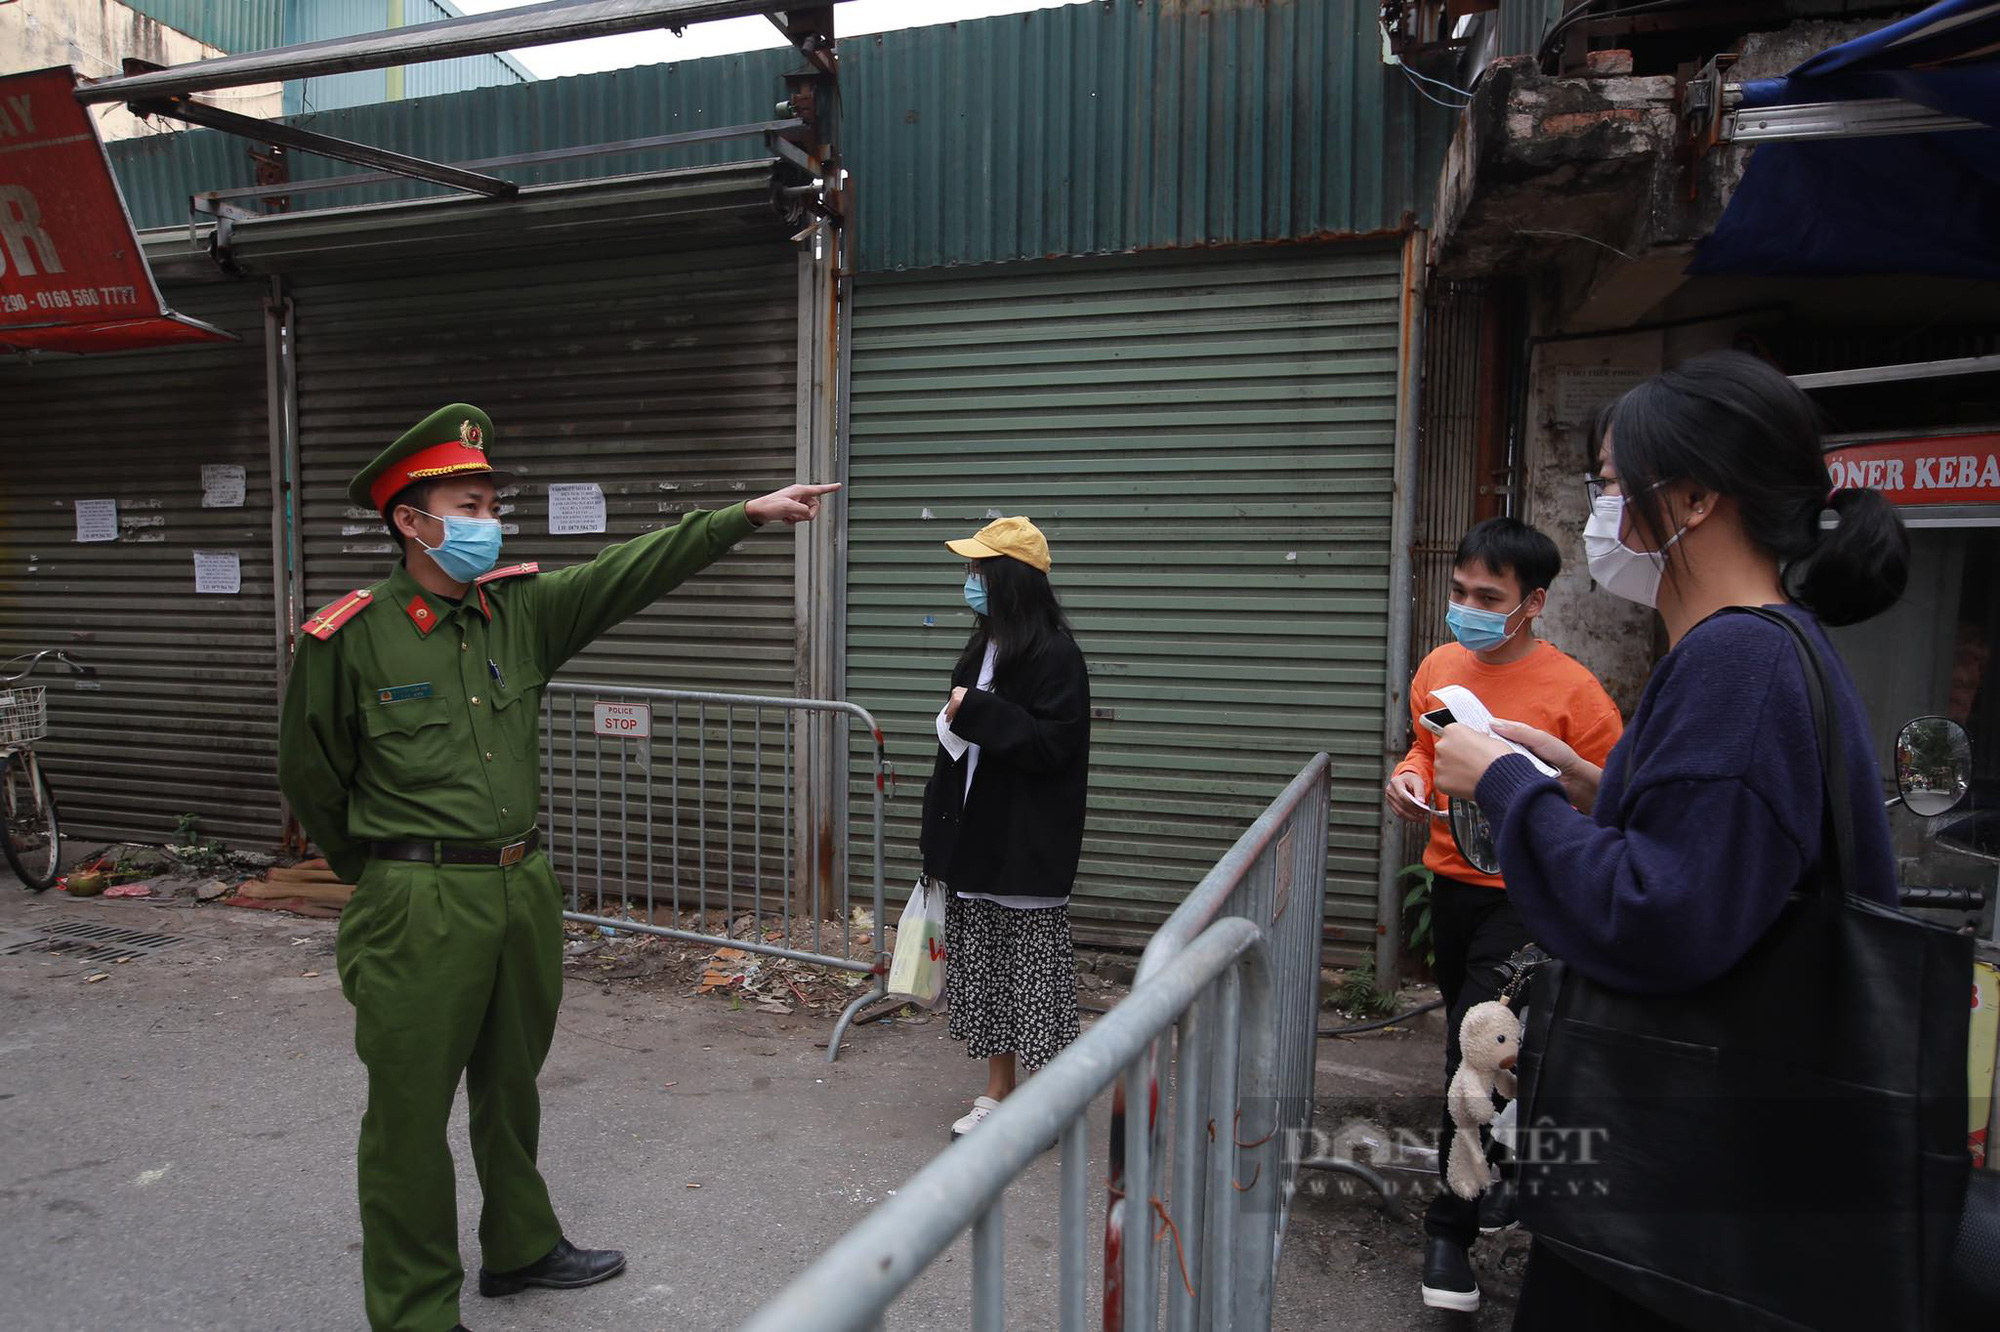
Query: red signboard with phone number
{"x": 72, "y": 276}
{"x": 1943, "y": 469}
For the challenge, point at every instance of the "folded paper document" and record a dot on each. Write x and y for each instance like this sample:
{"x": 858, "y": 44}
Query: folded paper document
{"x": 1467, "y": 710}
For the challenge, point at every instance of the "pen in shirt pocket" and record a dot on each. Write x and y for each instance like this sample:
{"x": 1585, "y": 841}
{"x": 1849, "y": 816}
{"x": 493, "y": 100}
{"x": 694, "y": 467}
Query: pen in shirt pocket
{"x": 498, "y": 678}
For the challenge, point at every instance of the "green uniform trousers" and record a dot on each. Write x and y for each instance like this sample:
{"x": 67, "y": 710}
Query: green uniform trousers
{"x": 453, "y": 969}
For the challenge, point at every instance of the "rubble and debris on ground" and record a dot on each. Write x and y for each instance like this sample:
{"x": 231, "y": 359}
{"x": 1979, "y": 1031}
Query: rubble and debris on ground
{"x": 765, "y": 982}
{"x": 205, "y": 872}
{"x": 166, "y": 873}
{"x": 751, "y": 979}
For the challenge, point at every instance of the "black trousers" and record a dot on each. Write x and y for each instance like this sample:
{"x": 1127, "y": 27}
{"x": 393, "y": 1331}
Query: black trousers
{"x": 1474, "y": 930}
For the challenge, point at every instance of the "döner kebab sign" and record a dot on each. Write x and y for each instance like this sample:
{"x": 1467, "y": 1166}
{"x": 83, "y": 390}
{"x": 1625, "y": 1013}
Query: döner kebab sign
{"x": 72, "y": 276}
{"x": 1944, "y": 469}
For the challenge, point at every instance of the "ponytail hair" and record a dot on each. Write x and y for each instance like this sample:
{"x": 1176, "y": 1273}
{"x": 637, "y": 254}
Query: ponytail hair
{"x": 1731, "y": 424}
{"x": 1858, "y": 568}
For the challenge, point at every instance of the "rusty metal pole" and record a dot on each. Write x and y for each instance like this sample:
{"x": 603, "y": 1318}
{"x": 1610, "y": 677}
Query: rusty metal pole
{"x": 281, "y": 462}
{"x": 818, "y": 620}
{"x": 820, "y": 865}
{"x": 1402, "y": 532}
{"x": 1493, "y": 493}
{"x": 276, "y": 425}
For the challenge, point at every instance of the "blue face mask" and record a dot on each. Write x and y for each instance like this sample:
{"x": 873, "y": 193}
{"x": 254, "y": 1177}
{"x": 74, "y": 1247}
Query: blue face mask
{"x": 471, "y": 546}
{"x": 975, "y": 594}
{"x": 1479, "y": 630}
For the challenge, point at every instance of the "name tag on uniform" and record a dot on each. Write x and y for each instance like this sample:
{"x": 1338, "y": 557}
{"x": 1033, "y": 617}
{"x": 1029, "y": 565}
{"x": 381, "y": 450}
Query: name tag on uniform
{"x": 404, "y": 693}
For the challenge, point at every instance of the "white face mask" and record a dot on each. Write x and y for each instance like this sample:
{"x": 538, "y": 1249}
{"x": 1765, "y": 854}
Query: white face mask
{"x": 1618, "y": 569}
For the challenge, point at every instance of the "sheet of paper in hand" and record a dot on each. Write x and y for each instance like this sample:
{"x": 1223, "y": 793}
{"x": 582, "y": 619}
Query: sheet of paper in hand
{"x": 1467, "y": 710}
{"x": 950, "y": 739}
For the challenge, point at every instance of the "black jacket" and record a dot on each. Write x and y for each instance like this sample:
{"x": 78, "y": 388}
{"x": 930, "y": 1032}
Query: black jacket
{"x": 1022, "y": 834}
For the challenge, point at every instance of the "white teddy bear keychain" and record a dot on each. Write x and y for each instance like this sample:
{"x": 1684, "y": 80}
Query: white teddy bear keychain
{"x": 1489, "y": 1040}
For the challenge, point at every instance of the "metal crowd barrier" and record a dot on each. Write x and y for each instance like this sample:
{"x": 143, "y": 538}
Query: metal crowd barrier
{"x": 666, "y": 800}
{"x": 1234, "y": 976}
{"x": 1273, "y": 877}
{"x": 1217, "y": 994}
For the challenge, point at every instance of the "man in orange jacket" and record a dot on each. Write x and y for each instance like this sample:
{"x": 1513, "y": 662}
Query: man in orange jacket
{"x": 1499, "y": 585}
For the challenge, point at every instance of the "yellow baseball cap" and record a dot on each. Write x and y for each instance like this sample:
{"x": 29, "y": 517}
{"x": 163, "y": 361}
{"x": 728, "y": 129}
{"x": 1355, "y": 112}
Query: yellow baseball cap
{"x": 1014, "y": 537}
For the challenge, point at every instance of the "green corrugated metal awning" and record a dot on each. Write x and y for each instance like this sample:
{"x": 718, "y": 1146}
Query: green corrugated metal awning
{"x": 1103, "y": 128}
{"x": 1208, "y": 442}
{"x": 1082, "y": 129}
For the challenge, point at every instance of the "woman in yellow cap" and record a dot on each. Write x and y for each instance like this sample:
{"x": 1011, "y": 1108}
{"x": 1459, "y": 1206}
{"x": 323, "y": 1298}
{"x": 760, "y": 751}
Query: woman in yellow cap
{"x": 1003, "y": 814}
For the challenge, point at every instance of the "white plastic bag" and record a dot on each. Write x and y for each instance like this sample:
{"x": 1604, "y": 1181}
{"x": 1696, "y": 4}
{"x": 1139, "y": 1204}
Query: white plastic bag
{"x": 916, "y": 972}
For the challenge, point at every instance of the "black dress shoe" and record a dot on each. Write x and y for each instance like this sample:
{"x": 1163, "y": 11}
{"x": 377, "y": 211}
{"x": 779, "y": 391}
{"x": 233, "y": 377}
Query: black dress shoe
{"x": 1448, "y": 1279}
{"x": 565, "y": 1268}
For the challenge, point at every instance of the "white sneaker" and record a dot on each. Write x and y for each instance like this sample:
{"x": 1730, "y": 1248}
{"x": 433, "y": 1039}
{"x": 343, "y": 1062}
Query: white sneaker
{"x": 982, "y": 1106}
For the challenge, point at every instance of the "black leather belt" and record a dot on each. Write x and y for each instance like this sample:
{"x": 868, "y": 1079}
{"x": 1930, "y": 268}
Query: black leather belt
{"x": 457, "y": 853}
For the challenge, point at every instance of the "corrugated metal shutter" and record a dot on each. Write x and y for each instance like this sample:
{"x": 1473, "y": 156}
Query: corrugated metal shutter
{"x": 667, "y": 211}
{"x": 1208, "y": 444}
{"x": 670, "y": 380}
{"x": 183, "y": 718}
{"x": 667, "y": 379}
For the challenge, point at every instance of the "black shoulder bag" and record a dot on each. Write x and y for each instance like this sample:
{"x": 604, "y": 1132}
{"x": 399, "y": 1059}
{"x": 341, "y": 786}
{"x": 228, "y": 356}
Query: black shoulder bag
{"x": 1782, "y": 1148}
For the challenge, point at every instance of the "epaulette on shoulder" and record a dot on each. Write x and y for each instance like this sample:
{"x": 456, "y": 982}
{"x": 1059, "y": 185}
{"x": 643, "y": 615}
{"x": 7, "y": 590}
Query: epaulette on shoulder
{"x": 327, "y": 622}
{"x": 511, "y": 571}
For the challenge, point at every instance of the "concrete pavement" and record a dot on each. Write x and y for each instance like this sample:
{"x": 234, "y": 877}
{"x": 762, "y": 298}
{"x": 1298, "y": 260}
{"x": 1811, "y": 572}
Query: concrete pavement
{"x": 180, "y": 1149}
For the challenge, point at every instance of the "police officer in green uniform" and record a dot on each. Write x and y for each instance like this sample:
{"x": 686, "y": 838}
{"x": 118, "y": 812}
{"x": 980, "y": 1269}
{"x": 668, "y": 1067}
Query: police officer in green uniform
{"x": 409, "y": 749}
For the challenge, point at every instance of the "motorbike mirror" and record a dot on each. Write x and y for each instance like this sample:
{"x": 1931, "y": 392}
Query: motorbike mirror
{"x": 1933, "y": 765}
{"x": 1473, "y": 836}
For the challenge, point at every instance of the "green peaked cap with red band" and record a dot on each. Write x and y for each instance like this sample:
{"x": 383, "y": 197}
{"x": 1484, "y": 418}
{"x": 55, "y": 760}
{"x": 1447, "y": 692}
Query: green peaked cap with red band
{"x": 450, "y": 442}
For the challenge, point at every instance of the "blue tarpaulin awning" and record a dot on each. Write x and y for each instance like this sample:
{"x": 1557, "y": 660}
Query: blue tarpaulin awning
{"x": 1905, "y": 203}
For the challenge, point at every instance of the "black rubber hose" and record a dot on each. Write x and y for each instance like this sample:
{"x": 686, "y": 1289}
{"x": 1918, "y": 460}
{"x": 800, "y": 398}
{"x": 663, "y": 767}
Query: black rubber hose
{"x": 1381, "y": 1022}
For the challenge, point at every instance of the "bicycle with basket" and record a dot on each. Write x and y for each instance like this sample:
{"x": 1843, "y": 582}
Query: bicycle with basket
{"x": 32, "y": 839}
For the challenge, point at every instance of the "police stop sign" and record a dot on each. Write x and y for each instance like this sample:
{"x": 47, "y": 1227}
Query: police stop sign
{"x": 627, "y": 721}
{"x": 72, "y": 276}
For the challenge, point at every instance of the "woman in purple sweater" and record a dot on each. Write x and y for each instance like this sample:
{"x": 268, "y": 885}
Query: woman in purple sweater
{"x": 1659, "y": 872}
